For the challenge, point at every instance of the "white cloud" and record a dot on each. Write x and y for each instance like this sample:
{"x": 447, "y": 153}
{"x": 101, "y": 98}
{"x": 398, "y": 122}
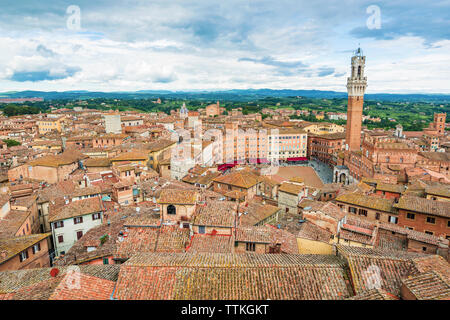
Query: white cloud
{"x": 184, "y": 45}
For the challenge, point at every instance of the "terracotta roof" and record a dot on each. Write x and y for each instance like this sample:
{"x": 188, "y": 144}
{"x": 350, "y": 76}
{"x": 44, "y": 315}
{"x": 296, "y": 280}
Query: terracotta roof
{"x": 327, "y": 208}
{"x": 143, "y": 220}
{"x": 242, "y": 179}
{"x": 201, "y": 179}
{"x": 111, "y": 136}
{"x": 211, "y": 243}
{"x": 428, "y": 286}
{"x": 395, "y": 188}
{"x": 374, "y": 294}
{"x": 11, "y": 224}
{"x": 66, "y": 286}
{"x": 37, "y": 291}
{"x": 413, "y": 234}
{"x": 12, "y": 281}
{"x": 80, "y": 138}
{"x": 286, "y": 240}
{"x": 427, "y": 263}
{"x": 329, "y": 136}
{"x": 376, "y": 268}
{"x": 310, "y": 231}
{"x": 367, "y": 201}
{"x": 443, "y": 191}
{"x": 177, "y": 196}
{"x": 357, "y": 234}
{"x": 137, "y": 240}
{"x": 86, "y": 191}
{"x": 10, "y": 247}
{"x": 235, "y": 194}
{"x": 58, "y": 190}
{"x": 268, "y": 181}
{"x": 76, "y": 209}
{"x": 145, "y": 239}
{"x": 215, "y": 213}
{"x": 124, "y": 183}
{"x": 253, "y": 234}
{"x": 426, "y": 206}
{"x": 256, "y": 212}
{"x": 218, "y": 276}
{"x": 97, "y": 162}
{"x": 172, "y": 239}
{"x": 46, "y": 143}
{"x": 79, "y": 286}
{"x": 131, "y": 155}
{"x": 436, "y": 156}
{"x": 291, "y": 188}
{"x": 158, "y": 145}
{"x": 56, "y": 160}
{"x": 92, "y": 238}
{"x": 130, "y": 118}
{"x": 330, "y": 187}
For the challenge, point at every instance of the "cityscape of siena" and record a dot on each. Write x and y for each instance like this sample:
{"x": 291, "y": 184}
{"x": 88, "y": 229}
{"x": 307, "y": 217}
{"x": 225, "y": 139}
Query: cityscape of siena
{"x": 186, "y": 150}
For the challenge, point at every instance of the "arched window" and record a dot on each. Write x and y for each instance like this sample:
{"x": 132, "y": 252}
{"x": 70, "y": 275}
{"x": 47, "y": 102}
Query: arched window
{"x": 171, "y": 209}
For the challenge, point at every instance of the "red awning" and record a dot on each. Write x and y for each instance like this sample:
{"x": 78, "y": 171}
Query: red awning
{"x": 259, "y": 160}
{"x": 226, "y": 166}
{"x": 297, "y": 159}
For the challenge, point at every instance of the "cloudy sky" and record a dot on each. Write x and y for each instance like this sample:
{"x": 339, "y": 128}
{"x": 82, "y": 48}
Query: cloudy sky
{"x": 130, "y": 45}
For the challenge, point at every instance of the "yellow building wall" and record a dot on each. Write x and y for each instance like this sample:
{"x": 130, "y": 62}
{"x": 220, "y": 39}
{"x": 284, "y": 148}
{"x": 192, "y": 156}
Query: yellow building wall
{"x": 306, "y": 246}
{"x": 47, "y": 126}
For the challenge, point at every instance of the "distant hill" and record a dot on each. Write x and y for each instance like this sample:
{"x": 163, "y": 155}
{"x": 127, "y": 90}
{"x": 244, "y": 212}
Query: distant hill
{"x": 233, "y": 95}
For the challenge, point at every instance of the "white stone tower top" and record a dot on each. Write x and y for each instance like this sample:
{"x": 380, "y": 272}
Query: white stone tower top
{"x": 184, "y": 111}
{"x": 357, "y": 82}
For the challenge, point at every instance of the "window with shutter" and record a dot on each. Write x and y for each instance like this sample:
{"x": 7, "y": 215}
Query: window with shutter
{"x": 36, "y": 248}
{"x": 77, "y": 220}
{"x": 59, "y": 224}
{"x": 23, "y": 256}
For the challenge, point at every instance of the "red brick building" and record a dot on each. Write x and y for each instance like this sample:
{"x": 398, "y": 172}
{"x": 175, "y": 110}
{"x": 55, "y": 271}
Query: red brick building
{"x": 424, "y": 215}
{"x": 325, "y": 147}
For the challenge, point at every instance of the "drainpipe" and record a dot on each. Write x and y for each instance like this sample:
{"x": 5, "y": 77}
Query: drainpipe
{"x": 54, "y": 239}
{"x": 114, "y": 291}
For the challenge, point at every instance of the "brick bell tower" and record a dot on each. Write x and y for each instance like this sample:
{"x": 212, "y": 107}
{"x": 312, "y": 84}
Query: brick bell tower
{"x": 356, "y": 86}
{"x": 439, "y": 123}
